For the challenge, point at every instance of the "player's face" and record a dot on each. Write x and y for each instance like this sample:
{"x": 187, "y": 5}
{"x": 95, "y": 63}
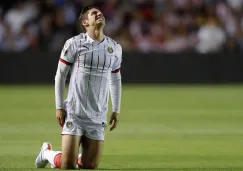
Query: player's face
{"x": 95, "y": 17}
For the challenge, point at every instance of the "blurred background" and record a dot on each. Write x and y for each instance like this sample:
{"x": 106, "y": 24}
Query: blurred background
{"x": 177, "y": 41}
{"x": 172, "y": 26}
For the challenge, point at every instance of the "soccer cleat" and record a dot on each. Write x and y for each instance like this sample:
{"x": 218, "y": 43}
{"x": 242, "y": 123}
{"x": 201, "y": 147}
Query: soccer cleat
{"x": 40, "y": 162}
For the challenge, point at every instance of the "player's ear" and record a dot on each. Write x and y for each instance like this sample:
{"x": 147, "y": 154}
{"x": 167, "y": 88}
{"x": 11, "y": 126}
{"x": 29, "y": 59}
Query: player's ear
{"x": 84, "y": 23}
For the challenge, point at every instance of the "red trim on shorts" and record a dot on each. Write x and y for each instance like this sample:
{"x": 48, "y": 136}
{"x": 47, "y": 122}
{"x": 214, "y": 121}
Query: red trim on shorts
{"x": 65, "y": 62}
{"x": 116, "y": 71}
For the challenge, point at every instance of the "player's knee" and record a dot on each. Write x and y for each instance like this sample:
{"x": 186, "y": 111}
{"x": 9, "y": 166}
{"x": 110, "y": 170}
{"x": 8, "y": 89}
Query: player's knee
{"x": 90, "y": 165}
{"x": 67, "y": 164}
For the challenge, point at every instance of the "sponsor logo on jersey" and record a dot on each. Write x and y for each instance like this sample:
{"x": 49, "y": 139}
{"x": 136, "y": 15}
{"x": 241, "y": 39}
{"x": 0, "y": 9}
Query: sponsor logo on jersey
{"x": 110, "y": 49}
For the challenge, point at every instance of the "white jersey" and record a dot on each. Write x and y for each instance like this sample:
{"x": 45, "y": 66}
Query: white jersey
{"x": 91, "y": 63}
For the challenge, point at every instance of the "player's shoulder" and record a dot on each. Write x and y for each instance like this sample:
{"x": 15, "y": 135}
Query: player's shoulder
{"x": 75, "y": 39}
{"x": 115, "y": 43}
{"x": 69, "y": 42}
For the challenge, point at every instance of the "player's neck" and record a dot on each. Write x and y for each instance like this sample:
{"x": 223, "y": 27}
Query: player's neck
{"x": 96, "y": 34}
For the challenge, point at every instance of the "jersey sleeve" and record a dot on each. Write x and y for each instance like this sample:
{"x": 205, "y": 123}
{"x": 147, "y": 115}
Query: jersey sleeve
{"x": 65, "y": 62}
{"x": 115, "y": 82}
{"x": 68, "y": 52}
{"x": 117, "y": 64}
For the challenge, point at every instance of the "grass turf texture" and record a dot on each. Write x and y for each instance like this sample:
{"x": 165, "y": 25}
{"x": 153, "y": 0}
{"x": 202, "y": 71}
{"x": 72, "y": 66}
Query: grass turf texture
{"x": 161, "y": 128}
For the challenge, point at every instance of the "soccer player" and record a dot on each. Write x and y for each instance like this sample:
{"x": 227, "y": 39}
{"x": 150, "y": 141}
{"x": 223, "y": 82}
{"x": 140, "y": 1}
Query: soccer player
{"x": 94, "y": 61}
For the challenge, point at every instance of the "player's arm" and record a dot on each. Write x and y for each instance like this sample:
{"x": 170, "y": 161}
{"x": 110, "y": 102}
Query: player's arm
{"x": 60, "y": 80}
{"x": 63, "y": 68}
{"x": 116, "y": 88}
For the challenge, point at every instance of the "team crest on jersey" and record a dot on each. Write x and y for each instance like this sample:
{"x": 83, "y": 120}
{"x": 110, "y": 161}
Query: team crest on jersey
{"x": 110, "y": 49}
{"x": 69, "y": 125}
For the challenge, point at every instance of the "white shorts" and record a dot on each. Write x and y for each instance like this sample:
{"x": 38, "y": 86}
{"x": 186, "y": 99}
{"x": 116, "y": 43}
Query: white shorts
{"x": 94, "y": 130}
{"x": 89, "y": 130}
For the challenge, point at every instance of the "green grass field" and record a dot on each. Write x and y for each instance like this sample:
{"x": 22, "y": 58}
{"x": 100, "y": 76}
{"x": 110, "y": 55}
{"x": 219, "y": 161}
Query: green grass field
{"x": 161, "y": 128}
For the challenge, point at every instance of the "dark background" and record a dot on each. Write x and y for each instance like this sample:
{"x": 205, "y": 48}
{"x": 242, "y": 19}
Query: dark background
{"x": 136, "y": 68}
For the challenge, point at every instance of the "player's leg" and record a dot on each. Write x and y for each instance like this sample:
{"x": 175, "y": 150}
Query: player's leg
{"x": 92, "y": 145}
{"x": 91, "y": 152}
{"x": 53, "y": 157}
{"x": 67, "y": 159}
{"x": 71, "y": 137}
{"x": 57, "y": 161}
{"x": 70, "y": 149}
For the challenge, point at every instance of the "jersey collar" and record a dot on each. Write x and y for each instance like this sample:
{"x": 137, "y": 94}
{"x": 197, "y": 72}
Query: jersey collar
{"x": 95, "y": 41}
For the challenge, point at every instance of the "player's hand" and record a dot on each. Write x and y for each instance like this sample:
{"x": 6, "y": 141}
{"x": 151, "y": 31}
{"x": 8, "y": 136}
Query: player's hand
{"x": 113, "y": 120}
{"x": 60, "y": 115}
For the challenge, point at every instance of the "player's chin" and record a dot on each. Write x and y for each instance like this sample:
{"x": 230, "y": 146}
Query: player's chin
{"x": 100, "y": 23}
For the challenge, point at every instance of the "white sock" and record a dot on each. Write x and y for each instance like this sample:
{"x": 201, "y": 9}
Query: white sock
{"x": 50, "y": 156}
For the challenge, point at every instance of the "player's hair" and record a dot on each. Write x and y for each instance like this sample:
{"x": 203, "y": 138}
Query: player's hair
{"x": 83, "y": 15}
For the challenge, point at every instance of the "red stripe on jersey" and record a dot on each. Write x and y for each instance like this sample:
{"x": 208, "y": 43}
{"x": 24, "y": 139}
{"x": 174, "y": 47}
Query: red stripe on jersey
{"x": 65, "y": 62}
{"x": 116, "y": 71}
